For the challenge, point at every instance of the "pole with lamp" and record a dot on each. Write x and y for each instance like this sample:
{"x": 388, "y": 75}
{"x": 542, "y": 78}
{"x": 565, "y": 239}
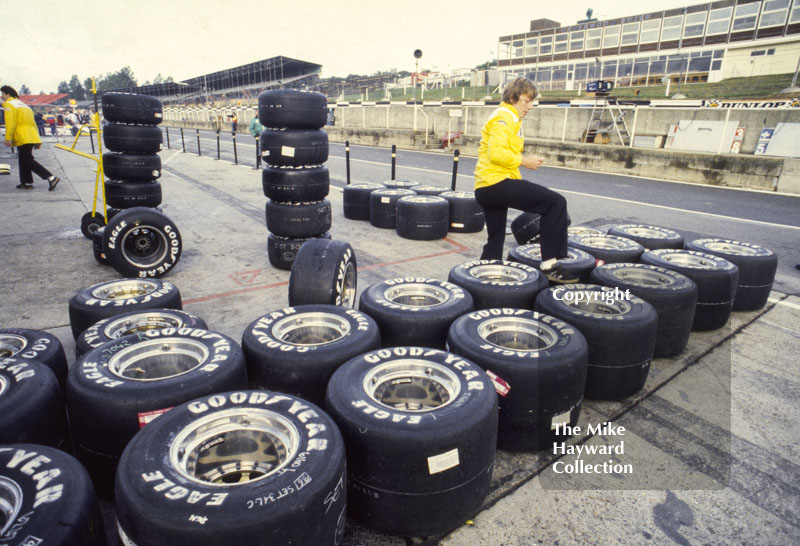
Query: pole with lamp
{"x": 417, "y": 56}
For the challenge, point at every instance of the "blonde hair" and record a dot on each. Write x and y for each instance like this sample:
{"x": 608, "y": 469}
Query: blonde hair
{"x": 519, "y": 87}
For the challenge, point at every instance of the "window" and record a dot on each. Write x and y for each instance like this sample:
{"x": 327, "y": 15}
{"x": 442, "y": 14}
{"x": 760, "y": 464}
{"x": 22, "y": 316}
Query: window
{"x": 700, "y": 64}
{"x": 611, "y": 36}
{"x": 516, "y": 48}
{"x": 640, "y": 67}
{"x": 695, "y": 24}
{"x": 531, "y": 47}
{"x": 546, "y": 46}
{"x": 630, "y": 33}
{"x": 561, "y": 42}
{"x": 609, "y": 70}
{"x": 593, "y": 38}
{"x": 650, "y": 31}
{"x": 745, "y": 16}
{"x": 774, "y": 13}
{"x": 757, "y": 53}
{"x": 795, "y": 15}
{"x": 719, "y": 21}
{"x": 672, "y": 28}
{"x": 576, "y": 40}
{"x": 504, "y": 50}
{"x": 716, "y": 65}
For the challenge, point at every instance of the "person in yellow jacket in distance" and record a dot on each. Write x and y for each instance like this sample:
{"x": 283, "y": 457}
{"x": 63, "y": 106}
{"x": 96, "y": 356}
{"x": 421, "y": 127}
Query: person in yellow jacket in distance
{"x": 21, "y": 131}
{"x": 500, "y": 186}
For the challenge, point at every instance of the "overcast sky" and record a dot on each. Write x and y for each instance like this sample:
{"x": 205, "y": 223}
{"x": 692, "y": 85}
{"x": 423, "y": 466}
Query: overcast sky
{"x": 46, "y": 41}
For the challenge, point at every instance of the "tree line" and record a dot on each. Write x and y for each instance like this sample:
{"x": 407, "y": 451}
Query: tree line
{"x": 113, "y": 80}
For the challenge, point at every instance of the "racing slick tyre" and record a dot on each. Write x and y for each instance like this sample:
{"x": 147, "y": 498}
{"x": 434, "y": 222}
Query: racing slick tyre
{"x": 55, "y": 504}
{"x": 608, "y": 248}
{"x": 650, "y": 237}
{"x": 578, "y": 263}
{"x": 234, "y": 469}
{"x": 286, "y": 108}
{"x": 97, "y": 246}
{"x": 132, "y": 167}
{"x": 526, "y": 227}
{"x": 383, "y": 207}
{"x": 110, "y": 298}
{"x": 124, "y": 195}
{"x": 31, "y": 405}
{"x": 355, "y": 199}
{"x": 672, "y": 294}
{"x": 583, "y": 230}
{"x": 146, "y": 139}
{"x": 420, "y": 428}
{"x": 297, "y": 349}
{"x": 35, "y": 345}
{"x": 621, "y": 334}
{"x": 422, "y": 217}
{"x": 538, "y": 364}
{"x": 757, "y": 266}
{"x": 115, "y": 390}
{"x": 400, "y": 184}
{"x": 429, "y": 190}
{"x": 130, "y": 108}
{"x": 299, "y": 185}
{"x": 281, "y": 251}
{"x": 466, "y": 215}
{"x": 325, "y": 272}
{"x": 91, "y": 223}
{"x": 294, "y": 147}
{"x": 414, "y": 310}
{"x": 716, "y": 279}
{"x": 497, "y": 283}
{"x": 124, "y": 324}
{"x": 298, "y": 220}
{"x": 142, "y": 242}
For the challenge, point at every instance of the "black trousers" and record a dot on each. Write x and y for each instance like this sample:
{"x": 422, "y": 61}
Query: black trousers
{"x": 495, "y": 200}
{"x": 28, "y": 165}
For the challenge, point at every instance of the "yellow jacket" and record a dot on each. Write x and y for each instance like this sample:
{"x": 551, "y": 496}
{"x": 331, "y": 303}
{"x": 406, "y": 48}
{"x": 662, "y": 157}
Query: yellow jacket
{"x": 500, "y": 150}
{"x": 20, "y": 125}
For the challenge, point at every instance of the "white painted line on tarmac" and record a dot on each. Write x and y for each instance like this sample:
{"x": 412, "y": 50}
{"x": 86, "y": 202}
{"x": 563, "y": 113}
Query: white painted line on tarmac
{"x": 784, "y": 303}
{"x": 170, "y": 158}
{"x": 709, "y": 214}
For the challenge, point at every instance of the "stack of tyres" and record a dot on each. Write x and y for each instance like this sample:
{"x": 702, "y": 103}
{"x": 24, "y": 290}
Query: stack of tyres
{"x": 132, "y": 135}
{"x": 293, "y": 148}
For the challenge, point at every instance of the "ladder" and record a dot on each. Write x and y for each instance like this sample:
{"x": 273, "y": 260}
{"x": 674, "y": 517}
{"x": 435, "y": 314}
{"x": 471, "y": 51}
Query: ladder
{"x": 607, "y": 115}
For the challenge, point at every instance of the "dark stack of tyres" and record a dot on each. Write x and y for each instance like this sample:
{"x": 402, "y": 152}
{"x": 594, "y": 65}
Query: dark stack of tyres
{"x": 538, "y": 364}
{"x": 47, "y": 498}
{"x": 294, "y": 148}
{"x": 110, "y": 298}
{"x": 422, "y": 217}
{"x": 415, "y": 310}
{"x": 609, "y": 249}
{"x": 716, "y": 279}
{"x": 132, "y": 322}
{"x": 420, "y": 429}
{"x": 621, "y": 332}
{"x": 297, "y": 349}
{"x": 497, "y": 283}
{"x": 383, "y": 206}
{"x": 525, "y": 228}
{"x": 31, "y": 405}
{"x": 142, "y": 242}
{"x": 132, "y": 135}
{"x": 35, "y": 345}
{"x": 466, "y": 215}
{"x": 234, "y": 469}
{"x": 116, "y": 389}
{"x": 355, "y": 199}
{"x": 650, "y": 237}
{"x": 578, "y": 263}
{"x": 757, "y": 266}
{"x": 672, "y": 294}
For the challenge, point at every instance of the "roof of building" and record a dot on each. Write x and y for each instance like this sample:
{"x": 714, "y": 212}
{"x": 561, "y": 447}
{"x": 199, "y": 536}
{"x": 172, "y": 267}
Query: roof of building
{"x": 43, "y": 100}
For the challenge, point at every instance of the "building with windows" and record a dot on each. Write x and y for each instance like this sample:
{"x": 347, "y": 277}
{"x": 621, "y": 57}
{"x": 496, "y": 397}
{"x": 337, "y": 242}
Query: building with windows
{"x": 705, "y": 42}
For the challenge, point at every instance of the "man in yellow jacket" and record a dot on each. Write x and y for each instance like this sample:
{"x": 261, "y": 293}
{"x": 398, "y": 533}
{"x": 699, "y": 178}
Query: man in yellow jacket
{"x": 499, "y": 184}
{"x": 21, "y": 131}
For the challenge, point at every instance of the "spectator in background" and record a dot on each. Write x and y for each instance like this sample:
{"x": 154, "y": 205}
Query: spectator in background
{"x": 39, "y": 118}
{"x": 51, "y": 121}
{"x": 255, "y": 130}
{"x": 21, "y": 132}
{"x": 234, "y": 121}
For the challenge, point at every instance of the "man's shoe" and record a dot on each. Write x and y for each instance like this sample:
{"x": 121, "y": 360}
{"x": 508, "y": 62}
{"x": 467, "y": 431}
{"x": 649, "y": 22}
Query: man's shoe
{"x": 54, "y": 182}
{"x": 24, "y": 186}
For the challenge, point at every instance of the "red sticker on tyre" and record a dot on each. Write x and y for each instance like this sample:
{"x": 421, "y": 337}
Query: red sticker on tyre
{"x": 500, "y": 385}
{"x": 146, "y": 417}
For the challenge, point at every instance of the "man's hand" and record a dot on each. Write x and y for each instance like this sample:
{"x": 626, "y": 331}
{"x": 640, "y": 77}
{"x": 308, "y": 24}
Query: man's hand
{"x": 532, "y": 161}
{"x": 9, "y": 144}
